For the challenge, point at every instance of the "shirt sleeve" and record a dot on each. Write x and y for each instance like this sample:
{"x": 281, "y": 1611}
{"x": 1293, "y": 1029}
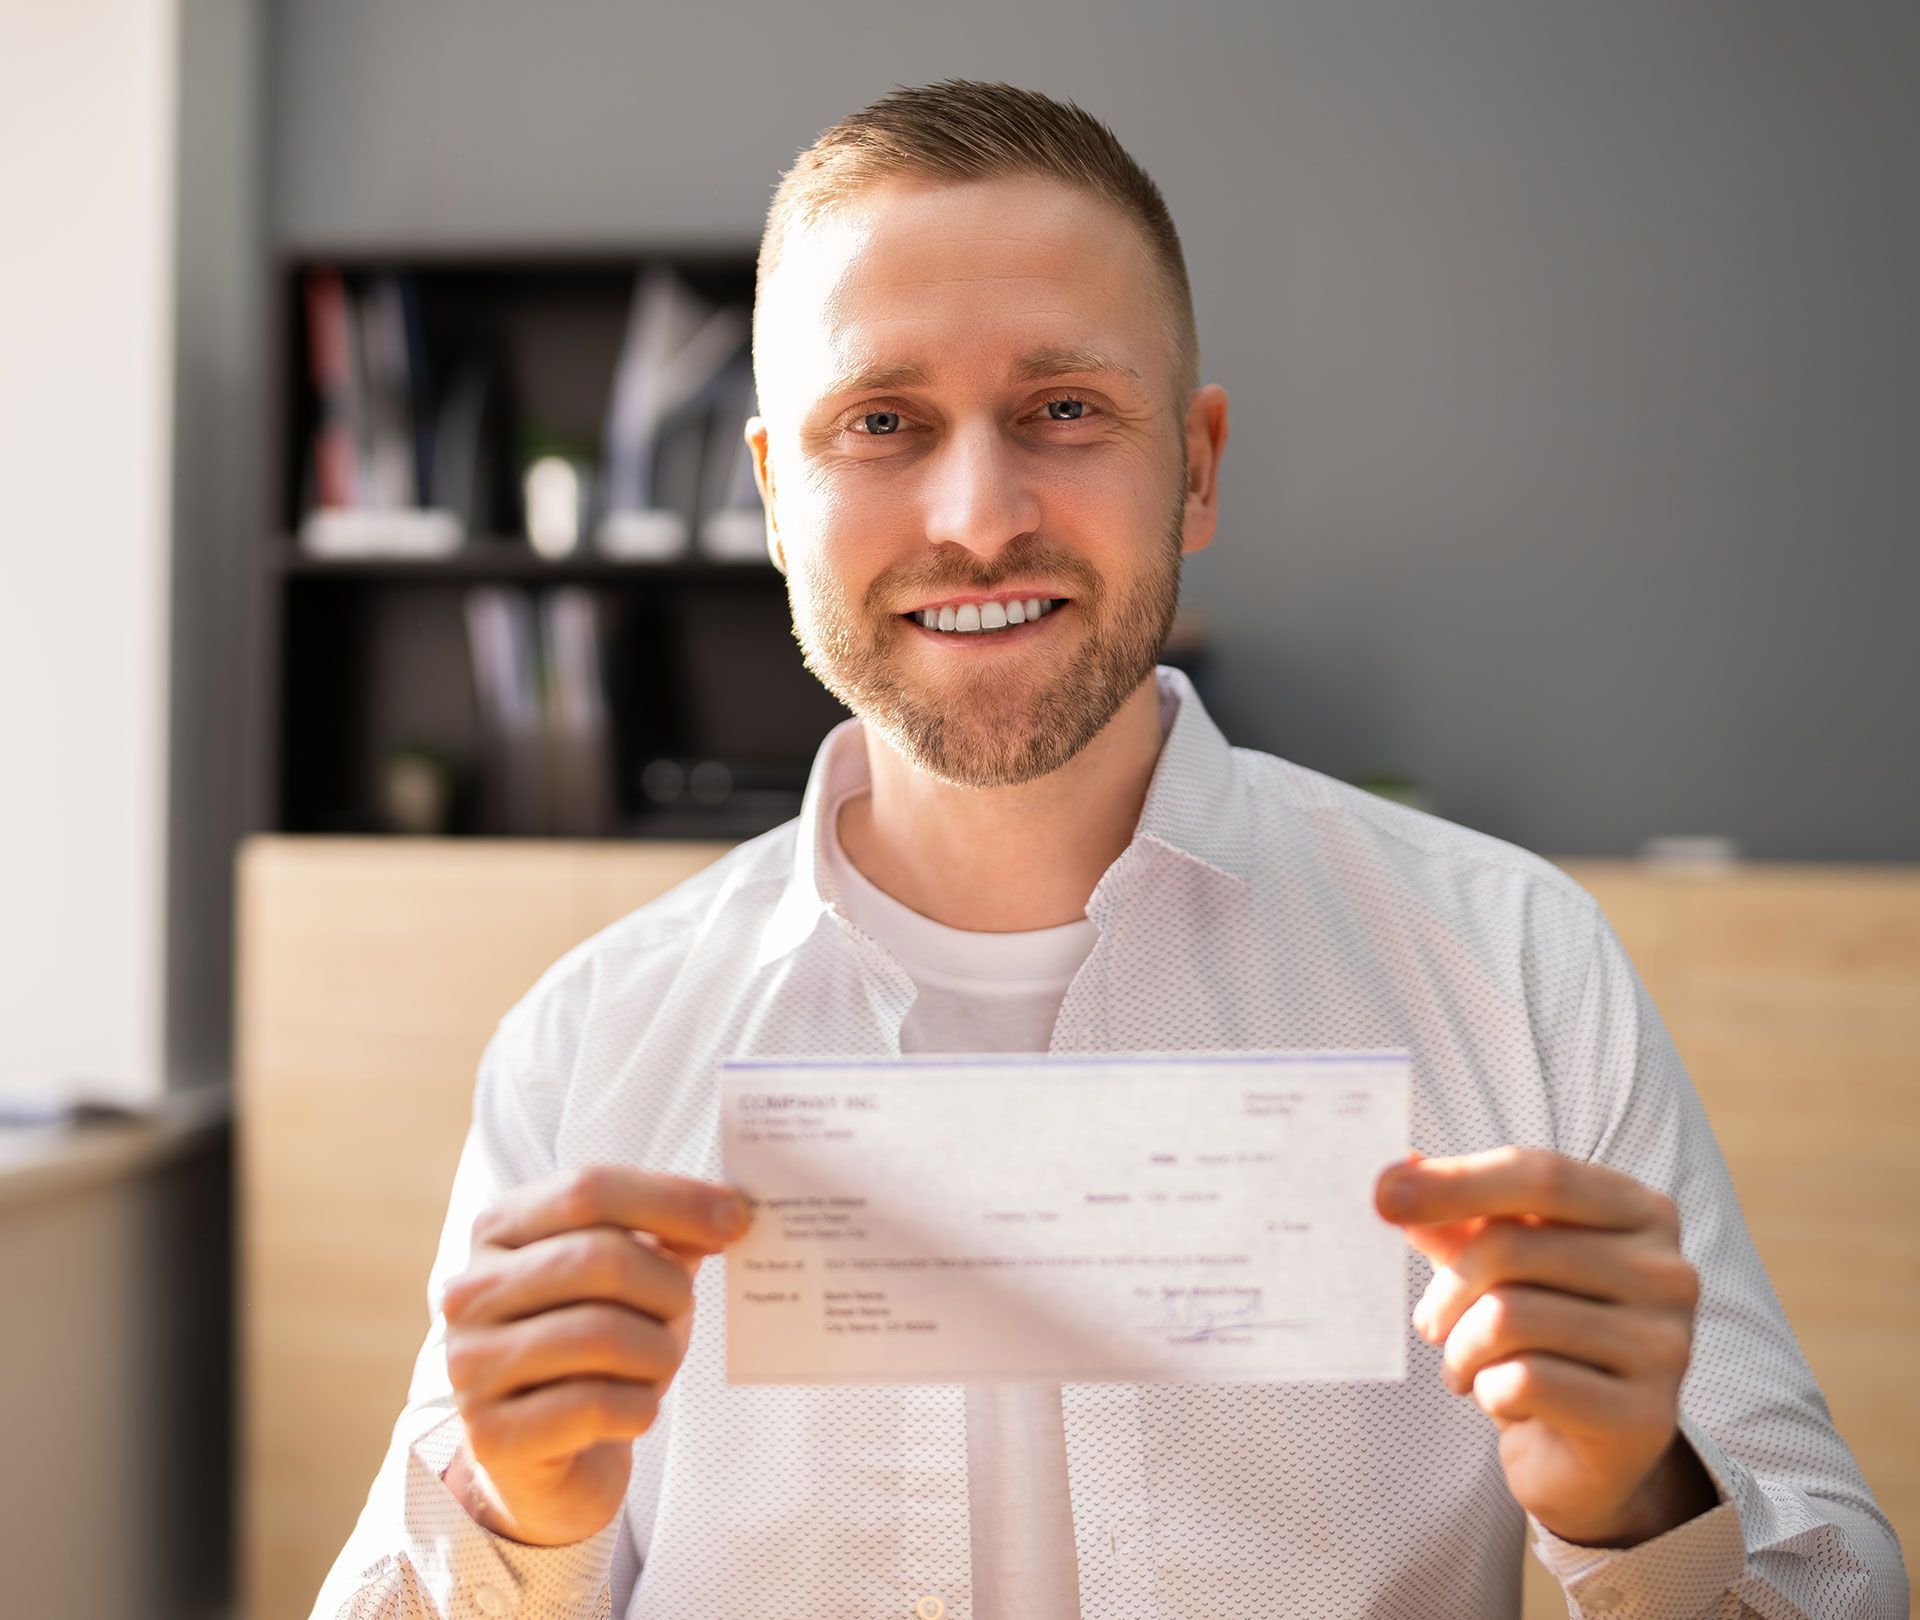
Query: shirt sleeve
{"x": 414, "y": 1553}
{"x": 1796, "y": 1531}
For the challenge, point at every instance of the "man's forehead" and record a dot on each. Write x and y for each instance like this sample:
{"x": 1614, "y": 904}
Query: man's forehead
{"x": 1024, "y": 276}
{"x": 887, "y": 223}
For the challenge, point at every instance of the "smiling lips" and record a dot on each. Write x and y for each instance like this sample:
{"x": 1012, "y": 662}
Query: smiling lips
{"x": 971, "y": 618}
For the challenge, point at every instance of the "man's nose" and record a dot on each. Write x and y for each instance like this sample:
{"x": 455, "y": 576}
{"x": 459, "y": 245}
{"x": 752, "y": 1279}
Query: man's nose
{"x": 977, "y": 493}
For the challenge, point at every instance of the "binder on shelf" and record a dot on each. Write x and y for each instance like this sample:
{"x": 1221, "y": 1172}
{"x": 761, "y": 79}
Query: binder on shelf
{"x": 330, "y": 363}
{"x": 391, "y": 475}
{"x": 546, "y": 737}
{"x": 466, "y": 429}
{"x": 578, "y": 737}
{"x": 506, "y": 681}
{"x": 732, "y": 526}
{"x": 678, "y": 349}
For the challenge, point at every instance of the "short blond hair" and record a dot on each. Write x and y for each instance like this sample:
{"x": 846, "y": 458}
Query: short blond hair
{"x": 962, "y": 130}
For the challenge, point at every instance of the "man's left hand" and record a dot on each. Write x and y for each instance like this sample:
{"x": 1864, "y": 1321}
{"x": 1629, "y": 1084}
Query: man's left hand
{"x": 1566, "y": 1309}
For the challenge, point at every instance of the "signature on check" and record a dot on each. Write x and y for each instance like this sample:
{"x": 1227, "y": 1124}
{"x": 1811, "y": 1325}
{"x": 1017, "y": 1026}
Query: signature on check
{"x": 1188, "y": 1315}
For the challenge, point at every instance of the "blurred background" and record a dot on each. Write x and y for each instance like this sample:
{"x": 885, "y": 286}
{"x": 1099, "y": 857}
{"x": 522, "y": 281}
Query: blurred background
{"x": 388, "y": 609}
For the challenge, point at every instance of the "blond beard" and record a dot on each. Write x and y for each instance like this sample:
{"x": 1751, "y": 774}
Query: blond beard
{"x": 1005, "y": 728}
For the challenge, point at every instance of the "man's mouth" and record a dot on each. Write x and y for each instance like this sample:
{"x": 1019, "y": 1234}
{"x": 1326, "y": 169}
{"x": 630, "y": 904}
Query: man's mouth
{"x": 996, "y": 615}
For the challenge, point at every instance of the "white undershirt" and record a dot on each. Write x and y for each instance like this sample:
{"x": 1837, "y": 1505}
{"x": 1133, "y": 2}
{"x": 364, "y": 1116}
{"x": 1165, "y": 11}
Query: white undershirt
{"x": 984, "y": 992}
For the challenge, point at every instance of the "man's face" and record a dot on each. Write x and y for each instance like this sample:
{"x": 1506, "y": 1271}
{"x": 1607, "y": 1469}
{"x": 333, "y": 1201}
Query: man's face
{"x": 969, "y": 399}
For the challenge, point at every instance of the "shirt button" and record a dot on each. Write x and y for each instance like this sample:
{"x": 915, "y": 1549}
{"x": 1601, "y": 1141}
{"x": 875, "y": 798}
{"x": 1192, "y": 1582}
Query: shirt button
{"x": 929, "y": 1608}
{"x": 580, "y": 1591}
{"x": 1602, "y": 1599}
{"x": 489, "y": 1601}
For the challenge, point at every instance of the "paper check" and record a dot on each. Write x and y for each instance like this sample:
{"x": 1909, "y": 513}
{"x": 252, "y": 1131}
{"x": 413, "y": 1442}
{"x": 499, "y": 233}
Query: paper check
{"x": 1065, "y": 1217}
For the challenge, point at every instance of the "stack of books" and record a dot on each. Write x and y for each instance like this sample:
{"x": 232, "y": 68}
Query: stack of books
{"x": 392, "y": 472}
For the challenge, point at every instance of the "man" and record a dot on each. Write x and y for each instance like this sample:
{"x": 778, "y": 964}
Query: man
{"x": 983, "y": 454}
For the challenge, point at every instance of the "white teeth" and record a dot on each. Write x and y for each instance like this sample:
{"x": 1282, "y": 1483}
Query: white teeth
{"x": 975, "y": 617}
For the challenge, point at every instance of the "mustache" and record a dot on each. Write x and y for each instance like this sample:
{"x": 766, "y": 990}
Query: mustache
{"x": 1010, "y": 564}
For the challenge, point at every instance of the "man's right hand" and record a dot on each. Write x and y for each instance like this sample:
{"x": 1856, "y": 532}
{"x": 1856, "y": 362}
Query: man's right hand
{"x": 567, "y": 1326}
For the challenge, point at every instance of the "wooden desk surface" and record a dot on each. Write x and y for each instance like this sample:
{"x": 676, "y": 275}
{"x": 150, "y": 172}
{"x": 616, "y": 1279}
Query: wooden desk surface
{"x": 372, "y": 971}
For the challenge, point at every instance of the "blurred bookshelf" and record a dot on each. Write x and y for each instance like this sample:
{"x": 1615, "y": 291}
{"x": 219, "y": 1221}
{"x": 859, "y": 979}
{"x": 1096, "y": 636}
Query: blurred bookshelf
{"x": 453, "y": 646}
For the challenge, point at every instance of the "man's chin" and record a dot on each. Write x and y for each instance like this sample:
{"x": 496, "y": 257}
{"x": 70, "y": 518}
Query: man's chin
{"x": 969, "y": 763}
{"x": 989, "y": 731}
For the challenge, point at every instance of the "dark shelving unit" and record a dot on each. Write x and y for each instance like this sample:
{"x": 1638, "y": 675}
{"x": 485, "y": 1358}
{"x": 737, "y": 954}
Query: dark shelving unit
{"x": 361, "y": 658}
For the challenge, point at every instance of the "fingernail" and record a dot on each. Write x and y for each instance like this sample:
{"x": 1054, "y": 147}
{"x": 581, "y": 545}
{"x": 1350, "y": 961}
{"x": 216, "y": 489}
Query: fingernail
{"x": 1396, "y": 1191}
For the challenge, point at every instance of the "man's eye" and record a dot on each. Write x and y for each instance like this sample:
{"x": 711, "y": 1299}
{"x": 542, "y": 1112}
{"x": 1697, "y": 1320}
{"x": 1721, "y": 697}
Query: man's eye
{"x": 880, "y": 423}
{"x": 1066, "y": 410}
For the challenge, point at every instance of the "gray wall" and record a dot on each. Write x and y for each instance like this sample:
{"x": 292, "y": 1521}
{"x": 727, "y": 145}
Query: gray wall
{"x": 1573, "y": 348}
{"x": 218, "y": 501}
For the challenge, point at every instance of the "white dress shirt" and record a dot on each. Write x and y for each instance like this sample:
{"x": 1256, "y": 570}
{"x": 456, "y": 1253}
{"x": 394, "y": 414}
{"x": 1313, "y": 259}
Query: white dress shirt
{"x": 1258, "y": 905}
{"x": 980, "y": 992}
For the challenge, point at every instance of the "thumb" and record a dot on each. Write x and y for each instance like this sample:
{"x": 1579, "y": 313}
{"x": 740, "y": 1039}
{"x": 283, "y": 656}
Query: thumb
{"x": 1442, "y": 1241}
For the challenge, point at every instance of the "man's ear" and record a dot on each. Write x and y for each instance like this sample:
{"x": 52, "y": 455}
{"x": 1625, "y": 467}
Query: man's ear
{"x": 763, "y": 480}
{"x": 1206, "y": 430}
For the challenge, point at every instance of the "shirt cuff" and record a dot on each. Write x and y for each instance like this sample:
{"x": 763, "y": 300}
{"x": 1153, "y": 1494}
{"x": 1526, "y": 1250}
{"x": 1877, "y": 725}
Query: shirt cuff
{"x": 473, "y": 1574}
{"x": 1683, "y": 1574}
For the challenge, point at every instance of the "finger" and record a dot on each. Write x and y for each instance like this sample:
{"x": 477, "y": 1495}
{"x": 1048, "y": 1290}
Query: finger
{"x": 1519, "y": 1181}
{"x": 575, "y": 1341}
{"x": 1622, "y": 1267}
{"x": 1414, "y": 1156}
{"x": 598, "y": 1263}
{"x": 1615, "y": 1339}
{"x": 1438, "y": 1242}
{"x": 1563, "y": 1394}
{"x": 559, "y": 1420}
{"x": 697, "y": 1215}
{"x": 1441, "y": 1242}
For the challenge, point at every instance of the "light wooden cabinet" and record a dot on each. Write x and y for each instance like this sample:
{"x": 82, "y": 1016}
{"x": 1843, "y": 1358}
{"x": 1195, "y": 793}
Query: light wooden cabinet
{"x": 370, "y": 974}
{"x": 372, "y": 971}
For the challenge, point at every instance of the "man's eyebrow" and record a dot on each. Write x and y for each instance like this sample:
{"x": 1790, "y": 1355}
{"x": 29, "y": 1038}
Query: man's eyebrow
{"x": 1053, "y": 361}
{"x": 1068, "y": 362}
{"x": 876, "y": 380}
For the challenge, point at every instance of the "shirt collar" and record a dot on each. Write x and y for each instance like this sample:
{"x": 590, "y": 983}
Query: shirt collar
{"x": 1191, "y": 809}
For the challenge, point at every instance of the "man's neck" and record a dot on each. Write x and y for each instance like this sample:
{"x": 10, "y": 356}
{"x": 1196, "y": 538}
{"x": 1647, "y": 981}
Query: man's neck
{"x": 1005, "y": 860}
